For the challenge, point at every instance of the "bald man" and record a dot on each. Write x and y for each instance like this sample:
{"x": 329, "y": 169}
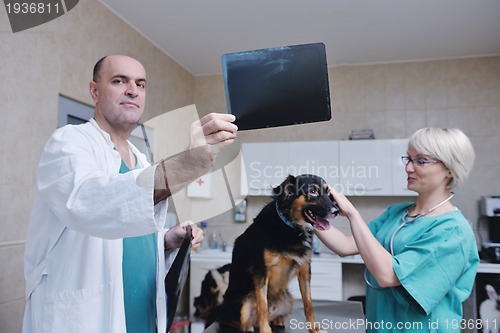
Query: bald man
{"x": 97, "y": 250}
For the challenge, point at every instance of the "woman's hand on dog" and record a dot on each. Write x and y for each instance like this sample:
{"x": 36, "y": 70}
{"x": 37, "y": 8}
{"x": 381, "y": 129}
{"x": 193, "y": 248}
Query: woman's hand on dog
{"x": 174, "y": 237}
{"x": 346, "y": 208}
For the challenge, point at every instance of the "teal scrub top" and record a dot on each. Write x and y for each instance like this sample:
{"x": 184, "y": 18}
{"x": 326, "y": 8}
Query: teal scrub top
{"x": 139, "y": 280}
{"x": 435, "y": 259}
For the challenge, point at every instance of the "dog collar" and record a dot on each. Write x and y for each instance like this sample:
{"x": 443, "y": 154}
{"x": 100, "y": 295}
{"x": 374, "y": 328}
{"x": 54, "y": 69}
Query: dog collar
{"x": 282, "y": 217}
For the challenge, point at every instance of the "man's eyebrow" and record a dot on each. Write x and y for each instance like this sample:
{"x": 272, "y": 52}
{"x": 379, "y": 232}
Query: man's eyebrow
{"x": 123, "y": 76}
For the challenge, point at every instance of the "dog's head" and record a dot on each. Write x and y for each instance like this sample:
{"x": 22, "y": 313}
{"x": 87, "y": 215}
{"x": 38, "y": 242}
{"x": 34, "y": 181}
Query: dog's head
{"x": 305, "y": 201}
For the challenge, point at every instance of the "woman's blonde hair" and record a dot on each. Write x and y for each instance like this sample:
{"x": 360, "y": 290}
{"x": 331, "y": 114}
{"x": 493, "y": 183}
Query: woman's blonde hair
{"x": 448, "y": 145}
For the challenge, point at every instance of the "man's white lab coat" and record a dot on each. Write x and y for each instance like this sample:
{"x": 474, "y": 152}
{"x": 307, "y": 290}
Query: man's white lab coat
{"x": 82, "y": 209}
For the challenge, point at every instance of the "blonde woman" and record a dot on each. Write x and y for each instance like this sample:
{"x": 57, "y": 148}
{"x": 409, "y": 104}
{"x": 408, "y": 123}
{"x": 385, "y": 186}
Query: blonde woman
{"x": 421, "y": 257}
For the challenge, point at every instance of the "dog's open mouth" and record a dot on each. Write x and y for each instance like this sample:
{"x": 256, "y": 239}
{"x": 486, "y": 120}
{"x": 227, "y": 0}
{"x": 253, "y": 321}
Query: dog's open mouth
{"x": 318, "y": 222}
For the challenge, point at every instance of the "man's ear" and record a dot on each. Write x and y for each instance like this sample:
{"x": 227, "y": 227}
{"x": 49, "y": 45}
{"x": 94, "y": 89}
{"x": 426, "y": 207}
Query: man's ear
{"x": 94, "y": 92}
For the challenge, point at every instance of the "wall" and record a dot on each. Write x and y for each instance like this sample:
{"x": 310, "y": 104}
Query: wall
{"x": 395, "y": 100}
{"x": 57, "y": 58}
{"x": 36, "y": 66}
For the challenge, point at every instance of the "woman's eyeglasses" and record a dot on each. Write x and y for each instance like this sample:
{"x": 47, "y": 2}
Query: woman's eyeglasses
{"x": 418, "y": 162}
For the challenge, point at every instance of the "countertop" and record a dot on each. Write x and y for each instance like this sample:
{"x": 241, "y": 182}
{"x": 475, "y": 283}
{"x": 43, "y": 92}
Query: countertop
{"x": 488, "y": 267}
{"x": 218, "y": 255}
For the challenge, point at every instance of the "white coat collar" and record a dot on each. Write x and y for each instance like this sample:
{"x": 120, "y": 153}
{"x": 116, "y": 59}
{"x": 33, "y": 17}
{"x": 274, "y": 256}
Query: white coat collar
{"x": 141, "y": 158}
{"x": 105, "y": 134}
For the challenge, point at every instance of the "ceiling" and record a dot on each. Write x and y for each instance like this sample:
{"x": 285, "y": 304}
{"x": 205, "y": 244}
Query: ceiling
{"x": 195, "y": 33}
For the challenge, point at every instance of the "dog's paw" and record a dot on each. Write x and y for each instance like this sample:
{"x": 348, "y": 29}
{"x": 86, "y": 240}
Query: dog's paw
{"x": 265, "y": 329}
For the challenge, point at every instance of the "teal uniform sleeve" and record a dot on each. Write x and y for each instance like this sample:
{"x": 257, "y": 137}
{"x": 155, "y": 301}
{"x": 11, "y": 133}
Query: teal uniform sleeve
{"x": 438, "y": 262}
{"x": 388, "y": 215}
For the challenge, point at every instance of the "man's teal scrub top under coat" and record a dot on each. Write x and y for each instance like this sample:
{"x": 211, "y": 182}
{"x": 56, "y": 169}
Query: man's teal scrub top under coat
{"x": 139, "y": 280}
{"x": 435, "y": 259}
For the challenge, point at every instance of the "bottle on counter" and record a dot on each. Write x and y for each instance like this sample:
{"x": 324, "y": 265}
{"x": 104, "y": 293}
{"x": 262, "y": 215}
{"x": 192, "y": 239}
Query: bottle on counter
{"x": 204, "y": 244}
{"x": 214, "y": 240}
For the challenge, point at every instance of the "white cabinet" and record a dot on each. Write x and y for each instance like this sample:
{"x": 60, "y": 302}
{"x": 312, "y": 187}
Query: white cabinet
{"x": 399, "y": 176}
{"x": 355, "y": 167}
{"x": 365, "y": 167}
{"x": 326, "y": 280}
{"x": 265, "y": 166}
{"x": 319, "y": 158}
{"x": 373, "y": 167}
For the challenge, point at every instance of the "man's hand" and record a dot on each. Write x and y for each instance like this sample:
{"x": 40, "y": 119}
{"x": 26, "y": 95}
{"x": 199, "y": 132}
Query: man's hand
{"x": 175, "y": 236}
{"x": 215, "y": 130}
{"x": 208, "y": 136}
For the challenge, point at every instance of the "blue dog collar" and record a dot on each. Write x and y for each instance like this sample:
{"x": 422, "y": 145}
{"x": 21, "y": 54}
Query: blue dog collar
{"x": 282, "y": 217}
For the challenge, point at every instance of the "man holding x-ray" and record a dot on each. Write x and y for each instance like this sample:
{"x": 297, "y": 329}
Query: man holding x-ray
{"x": 96, "y": 241}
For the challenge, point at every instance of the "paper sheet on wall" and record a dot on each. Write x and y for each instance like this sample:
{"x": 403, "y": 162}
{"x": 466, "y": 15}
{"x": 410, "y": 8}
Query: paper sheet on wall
{"x": 201, "y": 187}
{"x": 209, "y": 195}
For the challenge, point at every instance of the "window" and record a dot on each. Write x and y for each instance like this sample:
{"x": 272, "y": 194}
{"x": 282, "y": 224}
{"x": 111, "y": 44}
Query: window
{"x": 73, "y": 112}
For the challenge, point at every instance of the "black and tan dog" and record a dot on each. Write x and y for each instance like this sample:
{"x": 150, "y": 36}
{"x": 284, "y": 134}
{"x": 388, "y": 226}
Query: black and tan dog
{"x": 276, "y": 247}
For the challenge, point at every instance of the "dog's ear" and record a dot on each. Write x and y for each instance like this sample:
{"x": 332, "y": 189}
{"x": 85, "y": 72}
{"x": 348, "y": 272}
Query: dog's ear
{"x": 285, "y": 189}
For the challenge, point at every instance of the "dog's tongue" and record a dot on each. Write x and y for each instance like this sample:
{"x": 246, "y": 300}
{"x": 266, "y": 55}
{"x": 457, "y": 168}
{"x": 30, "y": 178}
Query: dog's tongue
{"x": 321, "y": 224}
